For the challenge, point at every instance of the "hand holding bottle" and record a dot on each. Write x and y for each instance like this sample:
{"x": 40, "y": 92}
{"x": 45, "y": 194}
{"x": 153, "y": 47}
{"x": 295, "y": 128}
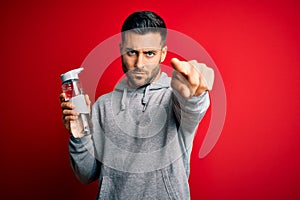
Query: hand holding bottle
{"x": 71, "y": 118}
{"x": 75, "y": 105}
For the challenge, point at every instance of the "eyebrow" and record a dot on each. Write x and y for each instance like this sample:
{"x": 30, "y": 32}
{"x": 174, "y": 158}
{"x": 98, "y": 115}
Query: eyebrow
{"x": 154, "y": 49}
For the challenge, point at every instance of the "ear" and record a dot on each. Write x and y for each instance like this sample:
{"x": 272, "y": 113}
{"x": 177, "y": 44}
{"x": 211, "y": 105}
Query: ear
{"x": 164, "y": 53}
{"x": 121, "y": 46}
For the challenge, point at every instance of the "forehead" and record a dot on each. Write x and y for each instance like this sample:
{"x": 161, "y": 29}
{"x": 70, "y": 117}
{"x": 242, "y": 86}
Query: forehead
{"x": 137, "y": 41}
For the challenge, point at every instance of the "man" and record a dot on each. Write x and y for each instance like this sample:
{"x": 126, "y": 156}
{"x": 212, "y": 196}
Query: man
{"x": 143, "y": 130}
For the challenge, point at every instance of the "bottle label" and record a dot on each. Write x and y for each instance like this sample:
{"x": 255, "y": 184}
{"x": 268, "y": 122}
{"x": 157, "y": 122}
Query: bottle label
{"x": 80, "y": 104}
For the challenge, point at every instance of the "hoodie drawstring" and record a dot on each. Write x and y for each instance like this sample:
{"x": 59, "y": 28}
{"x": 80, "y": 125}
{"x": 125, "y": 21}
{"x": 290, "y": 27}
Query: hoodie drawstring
{"x": 123, "y": 101}
{"x": 145, "y": 99}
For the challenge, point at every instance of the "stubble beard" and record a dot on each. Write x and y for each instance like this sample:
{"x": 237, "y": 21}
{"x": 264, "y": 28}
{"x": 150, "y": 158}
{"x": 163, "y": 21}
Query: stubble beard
{"x": 133, "y": 81}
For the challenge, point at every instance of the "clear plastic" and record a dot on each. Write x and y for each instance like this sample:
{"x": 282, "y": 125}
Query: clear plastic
{"x": 74, "y": 93}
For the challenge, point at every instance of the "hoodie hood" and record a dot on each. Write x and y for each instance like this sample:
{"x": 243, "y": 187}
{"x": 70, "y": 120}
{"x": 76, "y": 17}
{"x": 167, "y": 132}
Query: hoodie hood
{"x": 163, "y": 82}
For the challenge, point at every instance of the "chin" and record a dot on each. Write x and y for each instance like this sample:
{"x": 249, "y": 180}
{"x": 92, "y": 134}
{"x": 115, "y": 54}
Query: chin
{"x": 138, "y": 82}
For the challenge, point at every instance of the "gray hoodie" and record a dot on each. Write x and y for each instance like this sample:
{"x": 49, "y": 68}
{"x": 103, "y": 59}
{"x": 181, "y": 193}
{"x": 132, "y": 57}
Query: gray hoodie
{"x": 141, "y": 142}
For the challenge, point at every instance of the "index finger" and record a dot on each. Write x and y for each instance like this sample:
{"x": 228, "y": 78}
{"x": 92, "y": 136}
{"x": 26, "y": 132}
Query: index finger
{"x": 187, "y": 71}
{"x": 62, "y": 97}
{"x": 179, "y": 66}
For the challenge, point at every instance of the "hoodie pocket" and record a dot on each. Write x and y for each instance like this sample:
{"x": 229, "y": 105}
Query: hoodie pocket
{"x": 106, "y": 189}
{"x": 168, "y": 185}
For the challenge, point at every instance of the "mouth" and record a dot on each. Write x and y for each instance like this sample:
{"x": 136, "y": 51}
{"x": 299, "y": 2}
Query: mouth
{"x": 138, "y": 73}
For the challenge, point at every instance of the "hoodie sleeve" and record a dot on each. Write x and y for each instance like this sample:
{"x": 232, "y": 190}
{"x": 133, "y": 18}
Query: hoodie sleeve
{"x": 189, "y": 112}
{"x": 82, "y": 150}
{"x": 83, "y": 162}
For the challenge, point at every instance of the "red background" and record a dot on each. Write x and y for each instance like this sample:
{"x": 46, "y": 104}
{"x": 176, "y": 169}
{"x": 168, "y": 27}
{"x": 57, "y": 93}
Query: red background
{"x": 255, "y": 45}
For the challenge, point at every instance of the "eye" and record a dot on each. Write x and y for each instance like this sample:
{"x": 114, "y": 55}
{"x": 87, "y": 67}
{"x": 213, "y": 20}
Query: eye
{"x": 131, "y": 52}
{"x": 149, "y": 54}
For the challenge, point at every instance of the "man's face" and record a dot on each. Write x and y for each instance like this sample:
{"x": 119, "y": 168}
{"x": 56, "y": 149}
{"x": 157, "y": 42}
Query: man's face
{"x": 141, "y": 57}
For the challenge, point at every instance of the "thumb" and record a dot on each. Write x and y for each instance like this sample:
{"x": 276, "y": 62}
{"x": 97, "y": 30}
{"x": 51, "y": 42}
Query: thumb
{"x": 87, "y": 99}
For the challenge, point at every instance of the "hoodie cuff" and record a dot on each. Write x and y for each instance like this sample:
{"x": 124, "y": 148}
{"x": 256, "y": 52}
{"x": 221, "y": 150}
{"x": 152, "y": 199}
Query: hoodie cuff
{"x": 78, "y": 144}
{"x": 195, "y": 103}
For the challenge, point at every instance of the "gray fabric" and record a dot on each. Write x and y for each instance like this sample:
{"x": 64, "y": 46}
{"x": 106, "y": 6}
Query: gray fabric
{"x": 141, "y": 142}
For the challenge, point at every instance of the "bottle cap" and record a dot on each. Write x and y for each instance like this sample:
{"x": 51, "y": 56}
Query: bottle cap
{"x": 73, "y": 74}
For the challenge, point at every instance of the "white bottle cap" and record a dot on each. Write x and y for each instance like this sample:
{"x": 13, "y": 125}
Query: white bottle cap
{"x": 73, "y": 74}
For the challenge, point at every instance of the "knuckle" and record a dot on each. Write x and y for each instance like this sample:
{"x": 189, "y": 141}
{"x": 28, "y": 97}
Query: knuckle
{"x": 71, "y": 118}
{"x": 194, "y": 81}
{"x": 65, "y": 112}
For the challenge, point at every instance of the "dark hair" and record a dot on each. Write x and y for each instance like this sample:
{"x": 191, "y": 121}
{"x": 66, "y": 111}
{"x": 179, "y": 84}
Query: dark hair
{"x": 143, "y": 22}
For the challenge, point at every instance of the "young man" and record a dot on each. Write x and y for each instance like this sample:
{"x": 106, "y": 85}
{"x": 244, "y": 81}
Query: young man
{"x": 143, "y": 130}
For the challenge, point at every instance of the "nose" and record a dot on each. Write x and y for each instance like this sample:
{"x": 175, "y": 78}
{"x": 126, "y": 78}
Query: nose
{"x": 139, "y": 61}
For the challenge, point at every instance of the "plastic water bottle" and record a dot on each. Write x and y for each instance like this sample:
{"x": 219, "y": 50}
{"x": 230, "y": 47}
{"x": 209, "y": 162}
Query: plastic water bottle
{"x": 74, "y": 93}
